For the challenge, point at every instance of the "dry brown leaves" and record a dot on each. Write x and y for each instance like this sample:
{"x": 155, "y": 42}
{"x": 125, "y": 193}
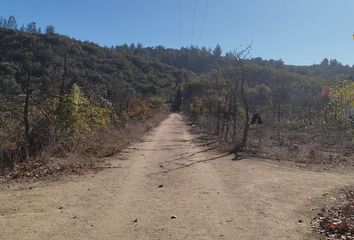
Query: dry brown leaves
{"x": 338, "y": 222}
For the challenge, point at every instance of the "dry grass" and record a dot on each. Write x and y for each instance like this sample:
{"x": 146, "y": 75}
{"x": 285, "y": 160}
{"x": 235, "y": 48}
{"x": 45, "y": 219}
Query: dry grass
{"x": 328, "y": 147}
{"x": 81, "y": 153}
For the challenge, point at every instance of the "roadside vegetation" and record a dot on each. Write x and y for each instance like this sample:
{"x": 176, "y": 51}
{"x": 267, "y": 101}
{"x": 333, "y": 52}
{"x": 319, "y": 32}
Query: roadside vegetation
{"x": 55, "y": 89}
{"x": 60, "y": 97}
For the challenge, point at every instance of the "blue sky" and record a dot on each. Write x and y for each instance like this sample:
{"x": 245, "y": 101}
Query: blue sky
{"x": 300, "y": 32}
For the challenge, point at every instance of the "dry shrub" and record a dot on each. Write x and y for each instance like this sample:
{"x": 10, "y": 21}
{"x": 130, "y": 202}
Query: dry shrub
{"x": 108, "y": 141}
{"x": 207, "y": 122}
{"x": 79, "y": 153}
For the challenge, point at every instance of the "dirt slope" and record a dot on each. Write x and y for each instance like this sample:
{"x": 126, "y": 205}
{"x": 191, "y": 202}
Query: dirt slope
{"x": 220, "y": 199}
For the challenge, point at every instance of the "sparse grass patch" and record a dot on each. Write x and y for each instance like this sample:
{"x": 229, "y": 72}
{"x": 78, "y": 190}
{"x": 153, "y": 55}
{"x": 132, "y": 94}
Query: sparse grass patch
{"x": 107, "y": 152}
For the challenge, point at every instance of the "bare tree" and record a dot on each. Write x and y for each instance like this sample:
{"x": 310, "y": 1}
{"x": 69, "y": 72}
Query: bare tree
{"x": 27, "y": 68}
{"x": 238, "y": 65}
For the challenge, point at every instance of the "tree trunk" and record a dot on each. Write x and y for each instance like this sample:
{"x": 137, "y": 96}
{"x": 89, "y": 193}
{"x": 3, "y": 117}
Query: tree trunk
{"x": 218, "y": 117}
{"x": 240, "y": 146}
{"x": 247, "y": 117}
{"x": 228, "y": 117}
{"x": 235, "y": 108}
{"x": 26, "y": 118}
{"x": 60, "y": 109}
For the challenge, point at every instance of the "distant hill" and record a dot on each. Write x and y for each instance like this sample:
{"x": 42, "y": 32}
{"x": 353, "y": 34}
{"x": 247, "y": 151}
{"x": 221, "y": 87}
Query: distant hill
{"x": 149, "y": 71}
{"x": 96, "y": 69}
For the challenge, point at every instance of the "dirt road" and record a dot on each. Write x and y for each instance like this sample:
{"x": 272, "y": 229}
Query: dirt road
{"x": 137, "y": 199}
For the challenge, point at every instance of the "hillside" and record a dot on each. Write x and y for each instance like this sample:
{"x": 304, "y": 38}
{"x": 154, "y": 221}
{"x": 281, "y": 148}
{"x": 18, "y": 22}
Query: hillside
{"x": 146, "y": 71}
{"x": 52, "y": 81}
{"x": 96, "y": 69}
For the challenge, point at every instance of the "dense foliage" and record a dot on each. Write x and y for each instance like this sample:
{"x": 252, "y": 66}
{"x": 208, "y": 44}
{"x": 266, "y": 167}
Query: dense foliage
{"x": 51, "y": 84}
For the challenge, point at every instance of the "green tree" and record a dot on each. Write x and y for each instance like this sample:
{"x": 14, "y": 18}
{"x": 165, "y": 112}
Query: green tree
{"x": 50, "y": 30}
{"x": 32, "y": 28}
{"x": 342, "y": 101}
{"x": 217, "y": 51}
{"x": 325, "y": 61}
{"x": 11, "y": 23}
{"x": 80, "y": 114}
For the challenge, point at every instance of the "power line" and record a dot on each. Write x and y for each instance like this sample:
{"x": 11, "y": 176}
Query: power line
{"x": 194, "y": 17}
{"x": 204, "y": 19}
{"x": 180, "y": 22}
